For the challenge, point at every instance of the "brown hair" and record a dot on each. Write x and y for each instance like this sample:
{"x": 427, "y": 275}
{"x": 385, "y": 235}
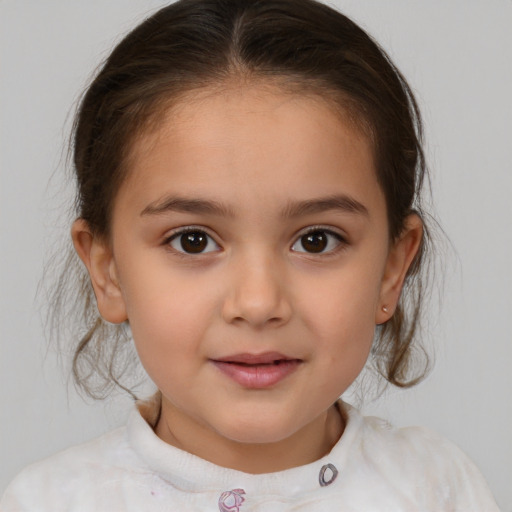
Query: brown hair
{"x": 193, "y": 44}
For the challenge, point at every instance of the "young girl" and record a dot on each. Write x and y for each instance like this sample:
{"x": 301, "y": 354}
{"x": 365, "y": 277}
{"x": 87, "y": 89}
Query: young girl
{"x": 249, "y": 177}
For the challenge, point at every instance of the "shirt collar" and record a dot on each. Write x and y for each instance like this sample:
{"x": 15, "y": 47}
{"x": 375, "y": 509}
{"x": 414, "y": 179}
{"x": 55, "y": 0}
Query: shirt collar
{"x": 190, "y": 473}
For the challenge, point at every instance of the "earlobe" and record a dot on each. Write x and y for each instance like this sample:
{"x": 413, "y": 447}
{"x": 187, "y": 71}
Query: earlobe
{"x": 401, "y": 256}
{"x": 97, "y": 256}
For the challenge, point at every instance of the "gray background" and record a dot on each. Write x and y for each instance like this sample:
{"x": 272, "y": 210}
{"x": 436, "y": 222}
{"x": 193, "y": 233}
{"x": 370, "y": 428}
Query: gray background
{"x": 456, "y": 54}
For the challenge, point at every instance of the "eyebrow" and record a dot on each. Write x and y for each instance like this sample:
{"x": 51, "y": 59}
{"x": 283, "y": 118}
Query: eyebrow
{"x": 343, "y": 203}
{"x": 186, "y": 205}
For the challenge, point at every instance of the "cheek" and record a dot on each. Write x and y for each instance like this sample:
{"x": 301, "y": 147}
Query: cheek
{"x": 342, "y": 303}
{"x": 344, "y": 347}
{"x": 168, "y": 317}
{"x": 168, "y": 343}
{"x": 341, "y": 316}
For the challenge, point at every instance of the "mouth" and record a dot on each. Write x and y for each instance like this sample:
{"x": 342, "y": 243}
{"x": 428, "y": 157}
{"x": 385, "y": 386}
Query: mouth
{"x": 257, "y": 371}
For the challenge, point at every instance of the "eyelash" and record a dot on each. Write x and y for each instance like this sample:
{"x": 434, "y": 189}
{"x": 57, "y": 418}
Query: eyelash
{"x": 178, "y": 234}
{"x": 340, "y": 241}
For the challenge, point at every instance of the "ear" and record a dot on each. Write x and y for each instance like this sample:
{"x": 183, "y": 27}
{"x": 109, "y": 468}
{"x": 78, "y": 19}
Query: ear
{"x": 400, "y": 257}
{"x": 98, "y": 258}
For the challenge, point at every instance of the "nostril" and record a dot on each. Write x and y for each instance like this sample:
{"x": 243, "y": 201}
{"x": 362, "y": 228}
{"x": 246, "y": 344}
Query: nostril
{"x": 257, "y": 300}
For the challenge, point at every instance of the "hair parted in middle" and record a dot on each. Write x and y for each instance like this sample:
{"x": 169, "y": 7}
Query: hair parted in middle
{"x": 299, "y": 46}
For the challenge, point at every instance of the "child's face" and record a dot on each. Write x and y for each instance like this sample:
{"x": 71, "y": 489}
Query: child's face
{"x": 286, "y": 258}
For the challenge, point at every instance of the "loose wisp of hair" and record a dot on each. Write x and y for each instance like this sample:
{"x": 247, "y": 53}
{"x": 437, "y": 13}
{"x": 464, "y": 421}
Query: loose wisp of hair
{"x": 298, "y": 46}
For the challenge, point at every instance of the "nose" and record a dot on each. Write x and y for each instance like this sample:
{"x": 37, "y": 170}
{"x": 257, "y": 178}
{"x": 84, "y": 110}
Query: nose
{"x": 257, "y": 294}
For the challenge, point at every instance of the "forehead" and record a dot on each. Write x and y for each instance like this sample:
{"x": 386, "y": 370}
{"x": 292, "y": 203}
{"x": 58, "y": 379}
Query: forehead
{"x": 254, "y": 141}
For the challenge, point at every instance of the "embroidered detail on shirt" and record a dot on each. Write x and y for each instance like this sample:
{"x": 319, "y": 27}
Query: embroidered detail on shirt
{"x": 327, "y": 475}
{"x": 231, "y": 501}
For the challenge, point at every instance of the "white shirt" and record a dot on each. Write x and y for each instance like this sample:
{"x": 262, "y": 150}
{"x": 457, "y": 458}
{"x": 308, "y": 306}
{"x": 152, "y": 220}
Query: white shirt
{"x": 373, "y": 467}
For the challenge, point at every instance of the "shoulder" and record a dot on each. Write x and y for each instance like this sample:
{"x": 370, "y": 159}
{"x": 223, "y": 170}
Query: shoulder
{"x": 72, "y": 473}
{"x": 415, "y": 448}
{"x": 420, "y": 464}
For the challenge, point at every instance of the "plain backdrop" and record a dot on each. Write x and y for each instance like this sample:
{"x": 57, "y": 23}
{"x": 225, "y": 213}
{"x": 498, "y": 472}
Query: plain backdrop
{"x": 456, "y": 54}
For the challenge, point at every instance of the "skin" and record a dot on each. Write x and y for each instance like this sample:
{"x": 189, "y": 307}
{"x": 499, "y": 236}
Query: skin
{"x": 255, "y": 289}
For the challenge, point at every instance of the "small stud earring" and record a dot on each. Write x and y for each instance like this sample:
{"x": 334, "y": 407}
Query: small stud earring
{"x": 385, "y": 309}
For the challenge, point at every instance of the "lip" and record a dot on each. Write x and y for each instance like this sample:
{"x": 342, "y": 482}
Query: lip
{"x": 257, "y": 371}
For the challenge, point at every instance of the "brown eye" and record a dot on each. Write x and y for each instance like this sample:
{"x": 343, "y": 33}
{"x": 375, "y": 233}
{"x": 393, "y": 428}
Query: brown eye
{"x": 193, "y": 242}
{"x": 314, "y": 242}
{"x": 317, "y": 241}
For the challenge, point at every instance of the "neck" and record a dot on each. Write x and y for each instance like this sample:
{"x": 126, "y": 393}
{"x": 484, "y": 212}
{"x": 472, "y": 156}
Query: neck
{"x": 308, "y": 444}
